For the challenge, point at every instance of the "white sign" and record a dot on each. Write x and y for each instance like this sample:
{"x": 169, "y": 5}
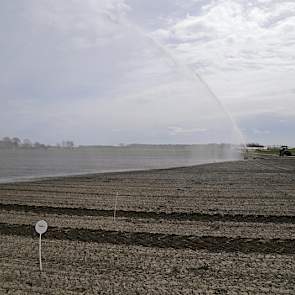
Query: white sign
{"x": 41, "y": 227}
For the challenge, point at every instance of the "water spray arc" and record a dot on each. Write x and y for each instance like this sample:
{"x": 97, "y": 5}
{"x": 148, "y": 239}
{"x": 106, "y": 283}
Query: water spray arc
{"x": 123, "y": 86}
{"x": 191, "y": 72}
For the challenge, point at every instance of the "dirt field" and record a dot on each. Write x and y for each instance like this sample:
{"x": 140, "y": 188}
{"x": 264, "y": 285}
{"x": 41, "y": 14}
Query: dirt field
{"x": 223, "y": 228}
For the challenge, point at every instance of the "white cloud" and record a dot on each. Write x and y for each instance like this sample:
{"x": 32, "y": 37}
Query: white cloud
{"x": 88, "y": 22}
{"x": 231, "y": 35}
{"x": 245, "y": 50}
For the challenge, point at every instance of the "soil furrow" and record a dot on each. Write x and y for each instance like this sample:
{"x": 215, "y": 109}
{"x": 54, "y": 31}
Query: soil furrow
{"x": 209, "y": 243}
{"x": 150, "y": 215}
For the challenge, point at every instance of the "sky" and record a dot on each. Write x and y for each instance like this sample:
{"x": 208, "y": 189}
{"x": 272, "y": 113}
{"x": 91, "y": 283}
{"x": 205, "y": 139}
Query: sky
{"x": 97, "y": 72}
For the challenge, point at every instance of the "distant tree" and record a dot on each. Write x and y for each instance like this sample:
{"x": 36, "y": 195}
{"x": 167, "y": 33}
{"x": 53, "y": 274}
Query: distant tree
{"x": 68, "y": 144}
{"x": 6, "y": 142}
{"x": 37, "y": 145}
{"x": 6, "y": 139}
{"x": 253, "y": 144}
{"x": 16, "y": 141}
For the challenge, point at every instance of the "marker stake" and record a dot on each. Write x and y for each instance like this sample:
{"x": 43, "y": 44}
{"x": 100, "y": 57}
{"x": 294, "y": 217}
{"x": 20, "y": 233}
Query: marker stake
{"x": 115, "y": 208}
{"x": 40, "y": 253}
{"x": 41, "y": 227}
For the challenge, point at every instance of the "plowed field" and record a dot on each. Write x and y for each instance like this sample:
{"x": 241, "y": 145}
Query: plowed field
{"x": 223, "y": 228}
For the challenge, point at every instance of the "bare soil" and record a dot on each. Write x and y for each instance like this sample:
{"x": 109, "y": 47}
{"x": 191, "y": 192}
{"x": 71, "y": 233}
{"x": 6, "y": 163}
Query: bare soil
{"x": 223, "y": 228}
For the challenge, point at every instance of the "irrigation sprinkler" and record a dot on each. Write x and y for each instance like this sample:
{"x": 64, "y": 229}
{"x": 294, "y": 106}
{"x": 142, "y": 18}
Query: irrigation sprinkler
{"x": 41, "y": 227}
{"x": 115, "y": 207}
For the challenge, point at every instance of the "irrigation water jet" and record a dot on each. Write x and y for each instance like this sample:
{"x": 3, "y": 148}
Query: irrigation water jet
{"x": 103, "y": 81}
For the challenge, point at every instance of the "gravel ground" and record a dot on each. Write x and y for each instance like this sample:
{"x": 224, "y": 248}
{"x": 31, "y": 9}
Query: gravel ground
{"x": 223, "y": 228}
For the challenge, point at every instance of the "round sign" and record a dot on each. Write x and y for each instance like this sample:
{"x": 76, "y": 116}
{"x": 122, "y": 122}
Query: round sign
{"x": 41, "y": 227}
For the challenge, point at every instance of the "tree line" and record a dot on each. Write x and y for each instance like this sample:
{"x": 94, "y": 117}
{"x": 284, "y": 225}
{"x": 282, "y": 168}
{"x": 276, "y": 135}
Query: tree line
{"x": 15, "y": 142}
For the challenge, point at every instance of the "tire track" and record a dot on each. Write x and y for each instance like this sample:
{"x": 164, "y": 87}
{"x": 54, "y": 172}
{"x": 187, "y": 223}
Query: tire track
{"x": 209, "y": 243}
{"x": 181, "y": 216}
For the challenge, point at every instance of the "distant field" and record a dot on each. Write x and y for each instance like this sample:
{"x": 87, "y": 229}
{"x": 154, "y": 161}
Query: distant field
{"x": 22, "y": 164}
{"x": 274, "y": 151}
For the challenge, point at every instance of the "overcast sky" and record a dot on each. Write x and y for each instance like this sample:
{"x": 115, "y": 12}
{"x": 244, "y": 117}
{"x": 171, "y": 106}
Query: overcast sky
{"x": 52, "y": 53}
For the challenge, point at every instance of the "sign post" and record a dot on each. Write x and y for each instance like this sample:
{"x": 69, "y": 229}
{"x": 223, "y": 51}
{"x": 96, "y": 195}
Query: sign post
{"x": 115, "y": 207}
{"x": 41, "y": 227}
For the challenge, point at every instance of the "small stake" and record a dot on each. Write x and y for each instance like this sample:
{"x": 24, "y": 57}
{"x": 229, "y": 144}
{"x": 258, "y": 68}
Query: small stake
{"x": 115, "y": 209}
{"x": 40, "y": 253}
{"x": 41, "y": 227}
